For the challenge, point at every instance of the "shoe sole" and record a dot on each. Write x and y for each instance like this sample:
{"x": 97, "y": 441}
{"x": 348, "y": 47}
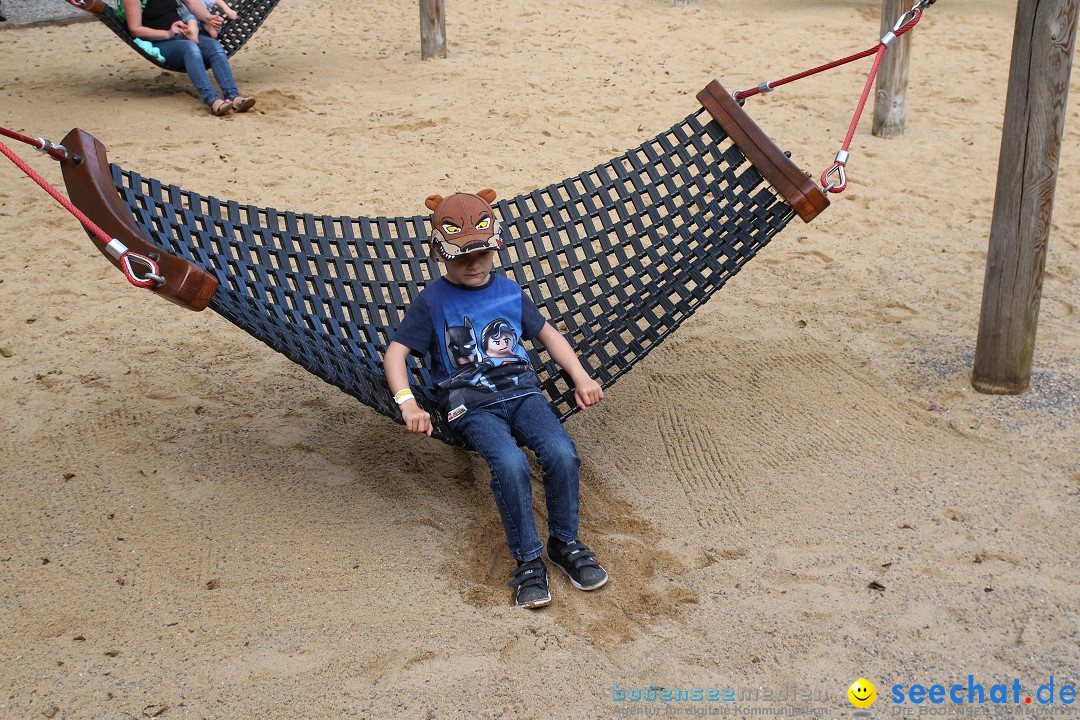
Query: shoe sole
{"x": 536, "y": 603}
{"x": 574, "y": 582}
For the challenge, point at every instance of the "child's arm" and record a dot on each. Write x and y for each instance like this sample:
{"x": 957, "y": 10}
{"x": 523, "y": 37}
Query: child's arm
{"x": 229, "y": 12}
{"x": 397, "y": 376}
{"x": 586, "y": 390}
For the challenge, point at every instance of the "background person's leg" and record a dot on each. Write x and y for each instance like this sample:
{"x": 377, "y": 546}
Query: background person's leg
{"x": 219, "y": 64}
{"x": 181, "y": 52}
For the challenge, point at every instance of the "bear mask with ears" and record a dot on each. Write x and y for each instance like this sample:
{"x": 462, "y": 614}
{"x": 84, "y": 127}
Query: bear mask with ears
{"x": 463, "y": 223}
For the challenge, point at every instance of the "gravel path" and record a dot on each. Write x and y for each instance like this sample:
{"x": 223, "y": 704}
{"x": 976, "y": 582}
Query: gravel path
{"x": 39, "y": 12}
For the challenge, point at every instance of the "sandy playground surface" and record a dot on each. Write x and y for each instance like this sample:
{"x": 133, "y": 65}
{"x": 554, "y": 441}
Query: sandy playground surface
{"x": 798, "y": 489}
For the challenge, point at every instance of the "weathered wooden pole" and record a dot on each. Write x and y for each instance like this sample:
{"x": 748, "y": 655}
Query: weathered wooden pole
{"x": 1043, "y": 43}
{"x": 890, "y": 97}
{"x": 432, "y": 29}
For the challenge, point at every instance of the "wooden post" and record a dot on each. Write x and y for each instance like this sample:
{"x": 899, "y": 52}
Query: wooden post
{"x": 890, "y": 97}
{"x": 1043, "y": 43}
{"x": 432, "y": 29}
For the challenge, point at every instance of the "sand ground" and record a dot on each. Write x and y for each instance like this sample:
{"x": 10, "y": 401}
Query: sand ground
{"x": 194, "y": 527}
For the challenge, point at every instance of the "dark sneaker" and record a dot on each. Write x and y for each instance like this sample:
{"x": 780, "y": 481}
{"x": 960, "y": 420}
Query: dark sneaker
{"x": 530, "y": 585}
{"x": 578, "y": 562}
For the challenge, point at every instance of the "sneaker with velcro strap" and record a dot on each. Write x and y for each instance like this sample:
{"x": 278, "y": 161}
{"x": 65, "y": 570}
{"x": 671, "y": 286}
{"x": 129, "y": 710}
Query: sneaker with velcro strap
{"x": 578, "y": 562}
{"x": 530, "y": 584}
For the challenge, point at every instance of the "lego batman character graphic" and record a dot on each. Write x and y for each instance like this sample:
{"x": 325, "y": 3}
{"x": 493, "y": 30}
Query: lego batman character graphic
{"x": 466, "y": 368}
{"x": 460, "y": 344}
{"x": 485, "y": 369}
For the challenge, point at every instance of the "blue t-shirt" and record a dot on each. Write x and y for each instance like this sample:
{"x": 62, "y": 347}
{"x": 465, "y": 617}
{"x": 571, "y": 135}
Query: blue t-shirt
{"x": 472, "y": 337}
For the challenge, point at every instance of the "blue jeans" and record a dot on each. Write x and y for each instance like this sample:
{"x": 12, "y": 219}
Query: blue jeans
{"x": 182, "y": 53}
{"x": 494, "y": 431}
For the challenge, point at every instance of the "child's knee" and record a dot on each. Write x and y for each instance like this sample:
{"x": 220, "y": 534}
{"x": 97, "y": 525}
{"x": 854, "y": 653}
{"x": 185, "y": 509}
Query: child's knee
{"x": 561, "y": 459}
{"x": 510, "y": 468}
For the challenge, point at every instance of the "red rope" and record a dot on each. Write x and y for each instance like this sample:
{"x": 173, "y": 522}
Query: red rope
{"x": 125, "y": 258}
{"x": 56, "y": 151}
{"x": 838, "y": 167}
{"x": 743, "y": 94}
{"x": 865, "y": 96}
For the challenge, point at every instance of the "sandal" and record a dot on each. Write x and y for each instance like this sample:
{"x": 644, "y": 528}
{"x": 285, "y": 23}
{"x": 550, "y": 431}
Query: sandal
{"x": 221, "y": 107}
{"x": 242, "y": 104}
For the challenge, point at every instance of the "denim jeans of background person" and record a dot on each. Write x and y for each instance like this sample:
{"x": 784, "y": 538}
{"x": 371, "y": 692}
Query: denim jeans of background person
{"x": 158, "y": 22}
{"x": 181, "y": 52}
{"x": 494, "y": 432}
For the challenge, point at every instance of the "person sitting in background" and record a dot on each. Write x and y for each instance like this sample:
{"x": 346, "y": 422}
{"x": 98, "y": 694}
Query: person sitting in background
{"x": 158, "y": 22}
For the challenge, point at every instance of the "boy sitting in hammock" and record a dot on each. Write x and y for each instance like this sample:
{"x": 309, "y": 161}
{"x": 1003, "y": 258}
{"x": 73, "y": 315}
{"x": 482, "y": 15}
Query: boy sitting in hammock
{"x": 492, "y": 395}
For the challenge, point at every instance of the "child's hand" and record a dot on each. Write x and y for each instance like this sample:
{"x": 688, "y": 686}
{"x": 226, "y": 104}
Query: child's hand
{"x": 416, "y": 418}
{"x": 587, "y": 393}
{"x": 231, "y": 14}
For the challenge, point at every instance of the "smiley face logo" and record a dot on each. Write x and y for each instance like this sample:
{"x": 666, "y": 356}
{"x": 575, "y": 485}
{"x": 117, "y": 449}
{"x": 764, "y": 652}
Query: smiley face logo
{"x": 862, "y": 693}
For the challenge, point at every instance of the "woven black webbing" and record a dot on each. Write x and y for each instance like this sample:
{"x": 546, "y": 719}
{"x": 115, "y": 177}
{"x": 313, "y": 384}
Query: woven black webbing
{"x": 250, "y": 15}
{"x": 616, "y": 258}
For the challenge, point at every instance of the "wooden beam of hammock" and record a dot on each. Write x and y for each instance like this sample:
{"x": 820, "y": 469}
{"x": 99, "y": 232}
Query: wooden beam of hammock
{"x": 616, "y": 257}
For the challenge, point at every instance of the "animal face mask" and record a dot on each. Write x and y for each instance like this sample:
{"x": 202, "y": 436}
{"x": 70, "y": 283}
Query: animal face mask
{"x": 463, "y": 223}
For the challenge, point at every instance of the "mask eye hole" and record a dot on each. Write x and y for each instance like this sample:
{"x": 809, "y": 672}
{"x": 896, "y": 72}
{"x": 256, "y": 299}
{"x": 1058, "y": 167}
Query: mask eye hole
{"x": 484, "y": 224}
{"x": 450, "y": 228}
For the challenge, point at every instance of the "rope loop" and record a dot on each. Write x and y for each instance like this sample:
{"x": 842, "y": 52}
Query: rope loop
{"x": 840, "y": 184}
{"x": 140, "y": 271}
{"x": 902, "y": 25}
{"x": 151, "y": 277}
{"x": 51, "y": 149}
{"x": 58, "y": 152}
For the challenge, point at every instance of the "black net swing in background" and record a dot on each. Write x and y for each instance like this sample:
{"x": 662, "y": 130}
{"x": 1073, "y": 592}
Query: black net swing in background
{"x": 234, "y": 33}
{"x": 616, "y": 257}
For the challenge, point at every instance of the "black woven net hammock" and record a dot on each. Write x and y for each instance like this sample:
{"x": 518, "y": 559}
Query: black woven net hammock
{"x": 616, "y": 257}
{"x": 233, "y": 35}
